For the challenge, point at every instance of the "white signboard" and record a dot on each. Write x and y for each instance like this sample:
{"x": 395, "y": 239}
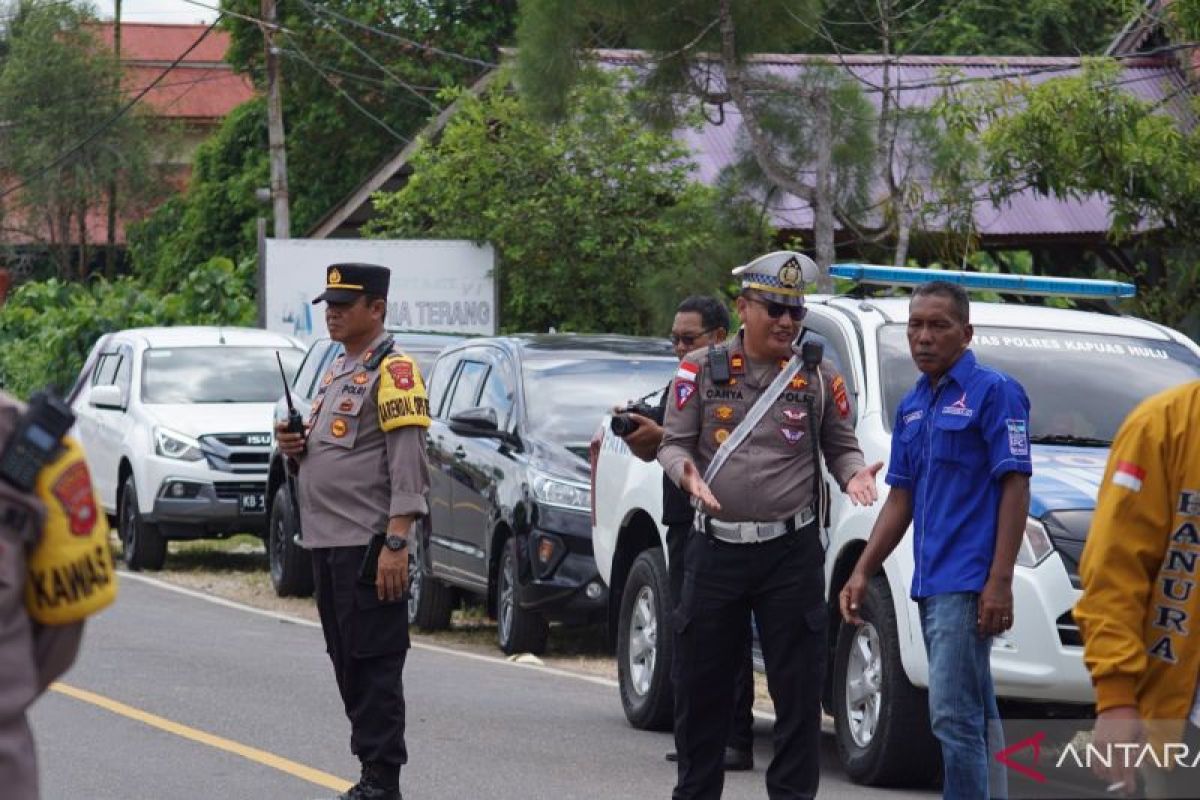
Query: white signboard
{"x": 445, "y": 286}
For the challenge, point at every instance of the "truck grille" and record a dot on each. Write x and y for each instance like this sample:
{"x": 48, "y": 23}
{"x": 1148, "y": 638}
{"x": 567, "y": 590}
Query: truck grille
{"x": 237, "y": 452}
{"x": 232, "y": 490}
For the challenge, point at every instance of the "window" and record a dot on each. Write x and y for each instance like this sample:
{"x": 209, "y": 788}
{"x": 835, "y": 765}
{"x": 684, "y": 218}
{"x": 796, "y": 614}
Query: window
{"x": 307, "y": 373}
{"x": 124, "y": 371}
{"x": 471, "y": 375}
{"x": 439, "y": 382}
{"x": 498, "y": 391}
{"x": 106, "y": 370}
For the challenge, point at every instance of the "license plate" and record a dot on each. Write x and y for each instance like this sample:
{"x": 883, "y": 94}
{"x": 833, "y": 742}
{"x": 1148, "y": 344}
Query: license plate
{"x": 253, "y": 502}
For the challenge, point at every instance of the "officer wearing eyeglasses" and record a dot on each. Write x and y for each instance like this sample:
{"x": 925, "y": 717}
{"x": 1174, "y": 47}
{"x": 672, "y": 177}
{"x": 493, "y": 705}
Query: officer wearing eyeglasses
{"x": 755, "y": 544}
{"x": 699, "y": 322}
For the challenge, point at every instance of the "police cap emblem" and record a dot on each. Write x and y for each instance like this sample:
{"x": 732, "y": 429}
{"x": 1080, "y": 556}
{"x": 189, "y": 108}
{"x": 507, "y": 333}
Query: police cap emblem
{"x": 790, "y": 274}
{"x": 335, "y": 276}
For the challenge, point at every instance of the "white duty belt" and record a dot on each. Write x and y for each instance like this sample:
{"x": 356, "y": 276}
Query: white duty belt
{"x": 744, "y": 532}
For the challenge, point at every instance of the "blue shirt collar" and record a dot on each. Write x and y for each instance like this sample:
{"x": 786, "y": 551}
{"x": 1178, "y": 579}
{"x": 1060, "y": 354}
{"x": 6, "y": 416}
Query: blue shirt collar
{"x": 959, "y": 371}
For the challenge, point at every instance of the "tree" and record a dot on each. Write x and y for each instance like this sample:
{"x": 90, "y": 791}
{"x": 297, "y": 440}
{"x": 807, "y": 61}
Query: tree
{"x": 584, "y": 214}
{"x": 65, "y": 139}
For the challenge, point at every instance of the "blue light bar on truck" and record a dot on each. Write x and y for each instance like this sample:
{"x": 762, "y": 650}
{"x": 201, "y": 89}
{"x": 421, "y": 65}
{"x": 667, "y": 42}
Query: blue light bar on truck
{"x": 984, "y": 281}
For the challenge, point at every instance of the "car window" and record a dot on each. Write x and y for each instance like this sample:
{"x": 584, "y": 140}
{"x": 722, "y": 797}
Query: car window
{"x": 307, "y": 373}
{"x": 470, "y": 379}
{"x": 124, "y": 370}
{"x": 1079, "y": 385}
{"x": 106, "y": 370}
{"x": 499, "y": 391}
{"x": 438, "y": 382}
{"x": 225, "y": 374}
{"x": 827, "y": 334}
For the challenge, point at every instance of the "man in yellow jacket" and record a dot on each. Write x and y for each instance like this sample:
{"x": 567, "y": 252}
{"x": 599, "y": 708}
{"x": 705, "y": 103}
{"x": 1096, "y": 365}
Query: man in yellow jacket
{"x": 1140, "y": 609}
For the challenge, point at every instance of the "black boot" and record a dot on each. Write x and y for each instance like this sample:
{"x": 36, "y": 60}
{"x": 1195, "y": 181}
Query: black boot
{"x": 378, "y": 782}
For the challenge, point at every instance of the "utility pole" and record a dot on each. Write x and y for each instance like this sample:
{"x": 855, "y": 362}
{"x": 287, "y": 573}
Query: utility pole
{"x": 110, "y": 247}
{"x": 279, "y": 182}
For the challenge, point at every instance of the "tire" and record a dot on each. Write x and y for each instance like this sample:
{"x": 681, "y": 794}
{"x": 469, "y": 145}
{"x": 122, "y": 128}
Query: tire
{"x": 430, "y": 601}
{"x": 142, "y": 545}
{"x": 517, "y": 630}
{"x": 290, "y": 564}
{"x": 645, "y": 645}
{"x": 881, "y": 721}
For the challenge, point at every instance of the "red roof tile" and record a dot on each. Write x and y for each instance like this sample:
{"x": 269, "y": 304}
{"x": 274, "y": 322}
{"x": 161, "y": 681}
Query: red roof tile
{"x": 144, "y": 41}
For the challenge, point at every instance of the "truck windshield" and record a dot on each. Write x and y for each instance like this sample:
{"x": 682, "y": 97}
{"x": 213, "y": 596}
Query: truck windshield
{"x": 568, "y": 397}
{"x": 216, "y": 374}
{"x": 1080, "y": 386}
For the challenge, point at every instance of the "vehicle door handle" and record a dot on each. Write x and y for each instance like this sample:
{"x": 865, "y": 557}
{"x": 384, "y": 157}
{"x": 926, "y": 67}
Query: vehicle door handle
{"x": 459, "y": 452}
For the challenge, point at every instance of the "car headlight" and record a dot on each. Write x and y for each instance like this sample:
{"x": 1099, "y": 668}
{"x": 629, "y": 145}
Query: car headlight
{"x": 1036, "y": 546}
{"x": 558, "y": 492}
{"x": 169, "y": 444}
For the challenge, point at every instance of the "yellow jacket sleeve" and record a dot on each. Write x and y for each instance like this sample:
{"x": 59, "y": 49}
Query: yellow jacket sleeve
{"x": 1121, "y": 560}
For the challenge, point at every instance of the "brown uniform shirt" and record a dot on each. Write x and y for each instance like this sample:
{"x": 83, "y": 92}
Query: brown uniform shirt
{"x": 353, "y": 475}
{"x": 31, "y": 655}
{"x": 770, "y": 476}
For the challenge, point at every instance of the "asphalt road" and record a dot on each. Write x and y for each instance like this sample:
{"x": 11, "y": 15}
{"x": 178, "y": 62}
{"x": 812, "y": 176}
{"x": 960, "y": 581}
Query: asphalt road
{"x": 179, "y": 696}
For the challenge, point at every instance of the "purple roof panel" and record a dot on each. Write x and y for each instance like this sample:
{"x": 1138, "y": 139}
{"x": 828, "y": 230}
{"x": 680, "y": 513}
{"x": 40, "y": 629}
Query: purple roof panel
{"x": 916, "y": 81}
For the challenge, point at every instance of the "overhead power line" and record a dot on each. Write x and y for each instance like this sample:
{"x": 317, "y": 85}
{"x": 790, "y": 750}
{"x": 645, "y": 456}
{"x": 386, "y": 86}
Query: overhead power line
{"x": 403, "y": 39}
{"x": 336, "y": 87}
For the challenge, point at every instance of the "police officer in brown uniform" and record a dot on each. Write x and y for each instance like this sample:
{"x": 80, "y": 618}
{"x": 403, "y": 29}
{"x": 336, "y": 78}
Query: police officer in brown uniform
{"x": 756, "y": 545}
{"x": 362, "y": 480}
{"x": 48, "y": 532}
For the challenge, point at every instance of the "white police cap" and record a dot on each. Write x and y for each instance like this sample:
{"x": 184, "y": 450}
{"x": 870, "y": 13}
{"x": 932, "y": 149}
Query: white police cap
{"x": 780, "y": 276}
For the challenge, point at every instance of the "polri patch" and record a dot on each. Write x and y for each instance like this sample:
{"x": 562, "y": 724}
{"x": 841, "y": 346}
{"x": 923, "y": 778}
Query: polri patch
{"x": 685, "y": 383}
{"x": 1018, "y": 437}
{"x": 73, "y": 491}
{"x": 402, "y": 374}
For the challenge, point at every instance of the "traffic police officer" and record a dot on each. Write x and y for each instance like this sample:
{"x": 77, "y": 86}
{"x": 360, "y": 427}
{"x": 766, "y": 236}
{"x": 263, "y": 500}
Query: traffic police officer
{"x": 756, "y": 546}
{"x": 362, "y": 482}
{"x": 55, "y": 569}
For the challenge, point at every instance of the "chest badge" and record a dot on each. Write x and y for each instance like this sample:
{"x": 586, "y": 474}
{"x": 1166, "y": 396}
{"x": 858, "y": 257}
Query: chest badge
{"x": 791, "y": 435}
{"x": 793, "y": 415}
{"x": 720, "y": 435}
{"x": 361, "y": 378}
{"x": 328, "y": 379}
{"x": 723, "y": 413}
{"x": 798, "y": 383}
{"x": 338, "y": 428}
{"x": 346, "y": 405}
{"x": 737, "y": 364}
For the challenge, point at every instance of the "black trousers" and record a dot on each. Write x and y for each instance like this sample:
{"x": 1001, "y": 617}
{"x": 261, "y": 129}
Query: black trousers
{"x": 367, "y": 641}
{"x": 741, "y": 731}
{"x": 783, "y": 582}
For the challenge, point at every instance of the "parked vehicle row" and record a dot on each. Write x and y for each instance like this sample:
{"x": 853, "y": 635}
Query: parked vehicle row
{"x": 1083, "y": 371}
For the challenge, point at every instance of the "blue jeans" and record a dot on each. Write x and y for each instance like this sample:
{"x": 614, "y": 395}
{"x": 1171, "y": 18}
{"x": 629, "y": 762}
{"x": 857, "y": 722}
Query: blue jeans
{"x": 962, "y": 703}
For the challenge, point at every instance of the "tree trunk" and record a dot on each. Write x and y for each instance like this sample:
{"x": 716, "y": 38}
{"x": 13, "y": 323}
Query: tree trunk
{"x": 823, "y": 197}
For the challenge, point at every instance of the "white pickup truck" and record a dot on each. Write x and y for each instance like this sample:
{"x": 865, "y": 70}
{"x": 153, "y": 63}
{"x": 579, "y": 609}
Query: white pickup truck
{"x": 1083, "y": 371}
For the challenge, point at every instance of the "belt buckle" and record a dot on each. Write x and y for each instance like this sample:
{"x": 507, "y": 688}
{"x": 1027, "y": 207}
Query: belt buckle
{"x": 749, "y": 532}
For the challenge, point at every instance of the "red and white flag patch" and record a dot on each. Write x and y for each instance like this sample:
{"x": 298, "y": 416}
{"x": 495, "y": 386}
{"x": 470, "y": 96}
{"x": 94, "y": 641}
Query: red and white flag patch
{"x": 685, "y": 383}
{"x": 1129, "y": 475}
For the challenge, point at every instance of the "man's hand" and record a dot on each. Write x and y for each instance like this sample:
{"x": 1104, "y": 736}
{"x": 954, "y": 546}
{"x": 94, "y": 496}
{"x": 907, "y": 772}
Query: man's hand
{"x": 861, "y": 487}
{"x": 995, "y": 607}
{"x": 290, "y": 444}
{"x": 645, "y": 438}
{"x": 851, "y": 597}
{"x": 1116, "y": 726}
{"x": 694, "y": 485}
{"x": 391, "y": 579}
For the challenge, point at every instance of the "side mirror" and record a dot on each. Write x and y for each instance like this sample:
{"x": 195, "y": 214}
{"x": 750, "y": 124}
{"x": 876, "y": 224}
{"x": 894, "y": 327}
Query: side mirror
{"x": 107, "y": 396}
{"x": 481, "y": 423}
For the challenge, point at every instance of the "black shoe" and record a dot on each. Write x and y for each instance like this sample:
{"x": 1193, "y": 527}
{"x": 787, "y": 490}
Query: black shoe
{"x": 376, "y": 783}
{"x": 738, "y": 760}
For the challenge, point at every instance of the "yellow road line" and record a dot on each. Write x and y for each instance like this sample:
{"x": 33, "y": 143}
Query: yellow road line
{"x": 250, "y": 753}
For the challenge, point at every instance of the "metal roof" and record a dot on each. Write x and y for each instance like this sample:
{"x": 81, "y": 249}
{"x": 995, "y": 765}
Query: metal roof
{"x": 918, "y": 82}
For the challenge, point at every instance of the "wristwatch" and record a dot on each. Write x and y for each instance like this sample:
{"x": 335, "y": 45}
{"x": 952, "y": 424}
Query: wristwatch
{"x": 395, "y": 543}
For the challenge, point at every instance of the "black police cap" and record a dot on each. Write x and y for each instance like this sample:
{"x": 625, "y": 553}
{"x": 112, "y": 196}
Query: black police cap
{"x": 345, "y": 283}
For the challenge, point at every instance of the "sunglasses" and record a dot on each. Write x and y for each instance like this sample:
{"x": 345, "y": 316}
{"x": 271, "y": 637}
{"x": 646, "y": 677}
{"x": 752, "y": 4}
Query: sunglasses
{"x": 688, "y": 339}
{"x": 777, "y": 310}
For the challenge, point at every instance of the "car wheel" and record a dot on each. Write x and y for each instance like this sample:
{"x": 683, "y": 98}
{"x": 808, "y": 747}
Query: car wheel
{"x": 291, "y": 564}
{"x": 430, "y": 601}
{"x": 881, "y": 720}
{"x": 142, "y": 545}
{"x": 518, "y": 630}
{"x": 645, "y": 645}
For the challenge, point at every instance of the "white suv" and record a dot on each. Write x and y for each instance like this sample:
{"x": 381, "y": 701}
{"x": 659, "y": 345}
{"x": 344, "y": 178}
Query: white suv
{"x": 1083, "y": 372}
{"x": 176, "y": 424}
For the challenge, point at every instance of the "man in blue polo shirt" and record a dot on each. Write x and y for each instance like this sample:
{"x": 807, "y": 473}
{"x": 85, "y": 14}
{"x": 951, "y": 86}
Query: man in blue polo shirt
{"x": 959, "y": 473}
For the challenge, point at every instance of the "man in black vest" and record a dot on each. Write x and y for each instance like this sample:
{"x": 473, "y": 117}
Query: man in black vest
{"x": 699, "y": 322}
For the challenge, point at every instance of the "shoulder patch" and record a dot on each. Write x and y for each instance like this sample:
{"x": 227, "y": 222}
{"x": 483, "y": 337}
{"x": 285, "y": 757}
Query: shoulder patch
{"x": 401, "y": 396}
{"x": 71, "y": 570}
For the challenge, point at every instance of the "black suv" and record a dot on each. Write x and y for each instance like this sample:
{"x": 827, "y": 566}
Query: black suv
{"x": 509, "y": 503}
{"x": 291, "y": 568}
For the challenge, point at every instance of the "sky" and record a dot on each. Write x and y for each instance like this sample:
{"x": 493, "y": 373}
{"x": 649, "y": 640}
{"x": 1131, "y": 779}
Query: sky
{"x": 167, "y": 11}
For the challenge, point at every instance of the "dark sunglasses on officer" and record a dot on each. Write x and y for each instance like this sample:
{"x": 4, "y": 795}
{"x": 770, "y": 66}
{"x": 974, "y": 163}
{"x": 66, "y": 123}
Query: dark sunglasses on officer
{"x": 777, "y": 310}
{"x": 688, "y": 339}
